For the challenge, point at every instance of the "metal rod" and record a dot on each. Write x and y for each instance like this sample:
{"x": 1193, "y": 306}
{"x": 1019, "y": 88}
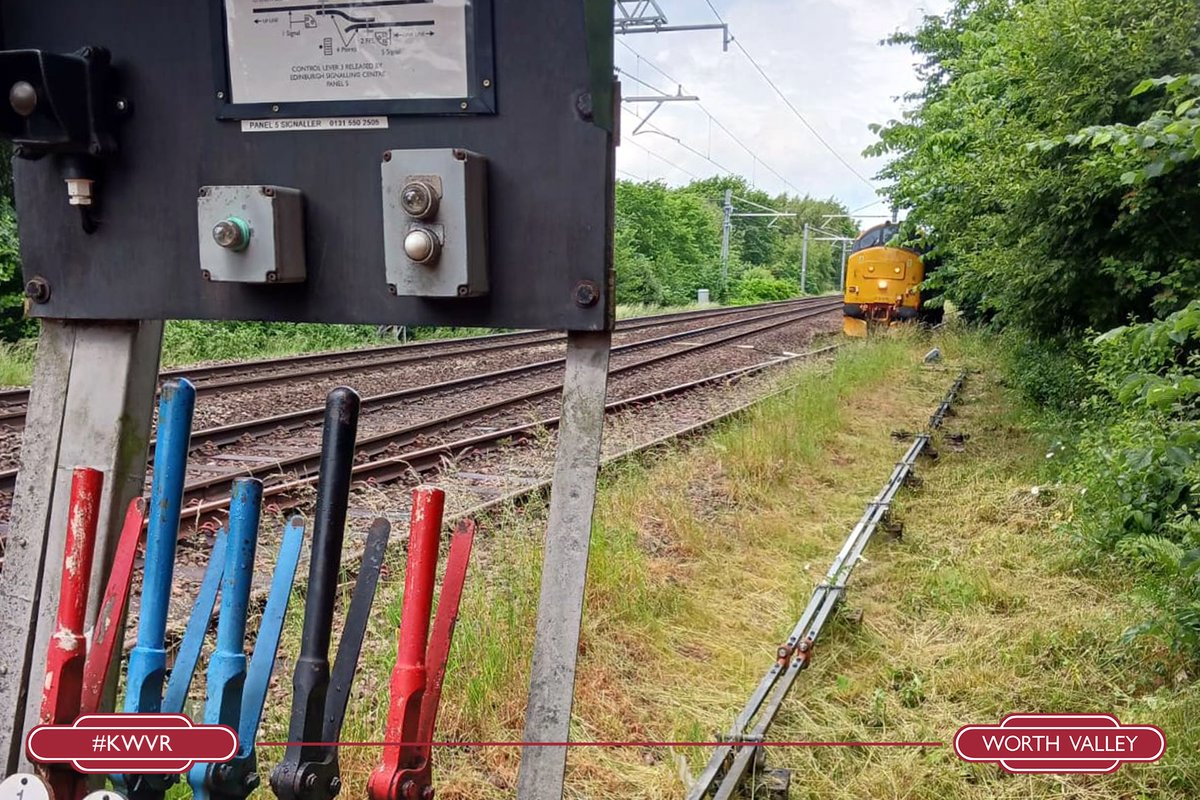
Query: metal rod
{"x": 65, "y": 659}
{"x": 227, "y": 665}
{"x": 404, "y": 768}
{"x": 266, "y": 642}
{"x": 112, "y": 609}
{"x": 725, "y": 230}
{"x": 656, "y": 28}
{"x": 804, "y": 261}
{"x": 188, "y": 655}
{"x": 425, "y": 534}
{"x": 796, "y": 654}
{"x": 443, "y": 626}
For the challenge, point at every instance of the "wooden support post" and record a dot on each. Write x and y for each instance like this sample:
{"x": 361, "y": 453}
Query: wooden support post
{"x": 91, "y": 405}
{"x": 564, "y": 567}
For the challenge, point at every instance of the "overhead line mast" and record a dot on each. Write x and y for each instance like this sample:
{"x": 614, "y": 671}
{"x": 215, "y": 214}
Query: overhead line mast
{"x": 646, "y": 16}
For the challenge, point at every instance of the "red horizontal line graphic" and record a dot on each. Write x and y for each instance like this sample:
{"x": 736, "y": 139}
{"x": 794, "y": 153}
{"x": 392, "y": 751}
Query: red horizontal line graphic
{"x": 600, "y": 744}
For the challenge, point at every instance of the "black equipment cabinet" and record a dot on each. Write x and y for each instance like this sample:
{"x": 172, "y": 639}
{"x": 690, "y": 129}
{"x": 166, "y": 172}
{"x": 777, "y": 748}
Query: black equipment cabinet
{"x": 537, "y": 104}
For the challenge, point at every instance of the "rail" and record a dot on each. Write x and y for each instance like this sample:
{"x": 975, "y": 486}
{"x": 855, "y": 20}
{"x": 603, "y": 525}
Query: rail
{"x": 730, "y": 763}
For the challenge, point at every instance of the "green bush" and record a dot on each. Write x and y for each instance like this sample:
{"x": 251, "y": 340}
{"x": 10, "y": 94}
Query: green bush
{"x": 1059, "y": 191}
{"x": 1138, "y": 468}
{"x": 192, "y": 341}
{"x": 1051, "y": 373}
{"x": 13, "y": 324}
{"x": 758, "y": 285}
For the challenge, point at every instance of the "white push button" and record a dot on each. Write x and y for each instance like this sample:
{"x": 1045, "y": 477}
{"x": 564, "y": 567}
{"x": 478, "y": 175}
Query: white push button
{"x": 421, "y": 246}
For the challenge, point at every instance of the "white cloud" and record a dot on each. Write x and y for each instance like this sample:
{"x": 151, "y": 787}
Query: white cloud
{"x": 825, "y": 56}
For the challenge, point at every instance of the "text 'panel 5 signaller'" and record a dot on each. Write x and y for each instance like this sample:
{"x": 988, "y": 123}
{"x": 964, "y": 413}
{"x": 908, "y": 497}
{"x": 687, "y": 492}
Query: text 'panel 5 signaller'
{"x": 444, "y": 162}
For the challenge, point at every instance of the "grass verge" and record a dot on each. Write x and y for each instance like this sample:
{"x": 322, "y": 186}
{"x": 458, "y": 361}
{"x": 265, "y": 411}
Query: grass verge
{"x": 703, "y": 557}
{"x": 188, "y": 342}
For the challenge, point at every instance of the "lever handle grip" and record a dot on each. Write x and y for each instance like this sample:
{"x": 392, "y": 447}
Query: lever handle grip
{"x": 227, "y": 666}
{"x": 266, "y": 643}
{"x": 65, "y": 659}
{"x": 358, "y": 615}
{"x": 310, "y": 681}
{"x": 188, "y": 656}
{"x": 442, "y": 635}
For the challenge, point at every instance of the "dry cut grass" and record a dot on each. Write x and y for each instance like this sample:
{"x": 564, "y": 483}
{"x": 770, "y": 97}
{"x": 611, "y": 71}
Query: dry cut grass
{"x": 704, "y": 556}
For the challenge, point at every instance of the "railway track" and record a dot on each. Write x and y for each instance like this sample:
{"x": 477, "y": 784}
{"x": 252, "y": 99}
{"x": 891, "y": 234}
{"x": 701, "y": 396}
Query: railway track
{"x": 240, "y": 376}
{"x": 483, "y": 466}
{"x": 758, "y": 318}
{"x": 387, "y": 455}
{"x": 466, "y": 414}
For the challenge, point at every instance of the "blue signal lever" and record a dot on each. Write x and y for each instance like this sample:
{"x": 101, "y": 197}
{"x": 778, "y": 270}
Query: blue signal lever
{"x": 147, "y": 670}
{"x": 148, "y": 661}
{"x": 237, "y": 692}
{"x": 230, "y": 572}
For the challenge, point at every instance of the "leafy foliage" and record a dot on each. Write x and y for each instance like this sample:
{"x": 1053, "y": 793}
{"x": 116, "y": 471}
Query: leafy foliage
{"x": 1031, "y": 234}
{"x": 1052, "y": 160}
{"x": 1139, "y": 466}
{"x": 13, "y": 325}
{"x": 759, "y": 285}
{"x": 668, "y": 243}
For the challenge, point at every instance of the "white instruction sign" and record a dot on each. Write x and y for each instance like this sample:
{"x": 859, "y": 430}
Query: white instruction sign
{"x": 291, "y": 51}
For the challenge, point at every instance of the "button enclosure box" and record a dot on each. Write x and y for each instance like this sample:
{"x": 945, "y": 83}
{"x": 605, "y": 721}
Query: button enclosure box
{"x": 460, "y": 223}
{"x": 275, "y": 250}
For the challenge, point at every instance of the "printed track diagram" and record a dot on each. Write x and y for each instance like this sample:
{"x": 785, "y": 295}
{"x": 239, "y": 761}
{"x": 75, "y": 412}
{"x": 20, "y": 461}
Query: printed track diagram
{"x": 354, "y": 22}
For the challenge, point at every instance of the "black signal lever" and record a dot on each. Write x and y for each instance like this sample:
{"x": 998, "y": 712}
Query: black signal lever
{"x": 309, "y": 770}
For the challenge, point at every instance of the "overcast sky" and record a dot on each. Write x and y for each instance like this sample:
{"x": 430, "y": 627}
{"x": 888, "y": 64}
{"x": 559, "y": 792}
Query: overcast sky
{"x": 823, "y": 54}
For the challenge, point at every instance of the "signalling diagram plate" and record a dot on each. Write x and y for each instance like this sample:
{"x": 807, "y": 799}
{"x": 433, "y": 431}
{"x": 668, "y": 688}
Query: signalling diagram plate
{"x": 292, "y": 51}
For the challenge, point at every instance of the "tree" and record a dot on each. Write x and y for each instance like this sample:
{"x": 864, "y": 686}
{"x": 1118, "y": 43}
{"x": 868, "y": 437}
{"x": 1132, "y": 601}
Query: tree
{"x": 668, "y": 241}
{"x": 1038, "y": 237}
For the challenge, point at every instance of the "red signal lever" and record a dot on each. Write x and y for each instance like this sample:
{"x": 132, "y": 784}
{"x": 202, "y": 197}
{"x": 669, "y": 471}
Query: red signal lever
{"x": 75, "y": 674}
{"x": 406, "y": 771}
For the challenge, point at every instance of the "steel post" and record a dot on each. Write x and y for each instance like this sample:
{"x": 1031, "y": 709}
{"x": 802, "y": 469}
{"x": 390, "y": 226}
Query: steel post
{"x": 804, "y": 262}
{"x": 564, "y": 567}
{"x": 725, "y": 231}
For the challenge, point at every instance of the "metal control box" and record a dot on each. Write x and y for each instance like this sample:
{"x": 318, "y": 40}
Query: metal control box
{"x": 435, "y": 222}
{"x": 310, "y": 96}
{"x": 251, "y": 234}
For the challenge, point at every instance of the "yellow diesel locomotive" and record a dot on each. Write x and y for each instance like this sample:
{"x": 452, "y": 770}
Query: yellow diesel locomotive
{"x": 883, "y": 282}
